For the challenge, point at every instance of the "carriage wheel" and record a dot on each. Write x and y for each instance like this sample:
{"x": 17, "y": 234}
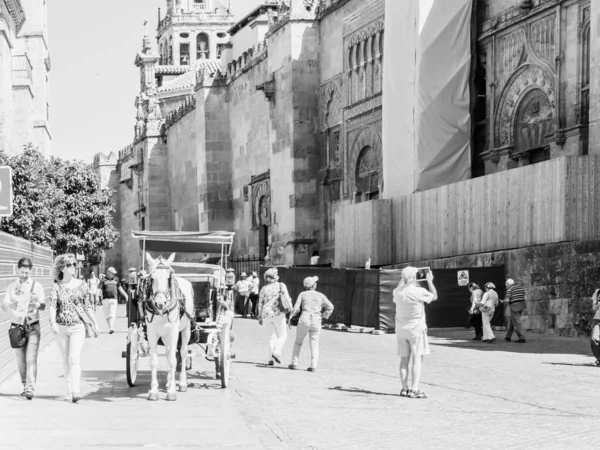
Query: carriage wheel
{"x": 224, "y": 356}
{"x": 133, "y": 355}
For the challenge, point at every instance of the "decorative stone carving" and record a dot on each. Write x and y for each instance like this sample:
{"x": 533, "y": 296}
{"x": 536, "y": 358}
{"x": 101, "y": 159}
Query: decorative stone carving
{"x": 511, "y": 52}
{"x": 261, "y": 200}
{"x": 268, "y": 88}
{"x": 331, "y": 104}
{"x": 542, "y": 37}
{"x": 526, "y": 79}
{"x": 534, "y": 120}
{"x": 364, "y": 53}
{"x": 364, "y": 161}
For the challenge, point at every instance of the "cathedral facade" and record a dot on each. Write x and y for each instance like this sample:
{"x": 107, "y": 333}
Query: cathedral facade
{"x": 272, "y": 125}
{"x": 24, "y": 73}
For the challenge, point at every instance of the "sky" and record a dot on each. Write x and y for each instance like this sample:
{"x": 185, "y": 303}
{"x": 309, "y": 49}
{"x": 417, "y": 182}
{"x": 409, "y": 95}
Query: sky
{"x": 93, "y": 81}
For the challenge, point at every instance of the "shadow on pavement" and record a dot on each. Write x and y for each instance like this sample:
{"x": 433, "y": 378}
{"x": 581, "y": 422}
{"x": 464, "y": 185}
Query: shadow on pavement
{"x": 572, "y": 364}
{"x": 360, "y": 391}
{"x": 106, "y": 387}
{"x": 536, "y": 343}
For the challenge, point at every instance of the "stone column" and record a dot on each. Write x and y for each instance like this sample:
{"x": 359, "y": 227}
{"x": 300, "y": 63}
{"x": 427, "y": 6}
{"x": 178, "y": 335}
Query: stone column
{"x": 594, "y": 121}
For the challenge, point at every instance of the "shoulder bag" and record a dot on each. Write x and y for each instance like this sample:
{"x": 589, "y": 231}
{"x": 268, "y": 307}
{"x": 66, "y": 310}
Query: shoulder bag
{"x": 17, "y": 334}
{"x": 89, "y": 329}
{"x": 286, "y": 303}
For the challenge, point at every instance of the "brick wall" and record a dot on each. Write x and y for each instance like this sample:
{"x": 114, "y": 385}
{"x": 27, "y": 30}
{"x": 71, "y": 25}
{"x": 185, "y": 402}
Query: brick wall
{"x": 11, "y": 250}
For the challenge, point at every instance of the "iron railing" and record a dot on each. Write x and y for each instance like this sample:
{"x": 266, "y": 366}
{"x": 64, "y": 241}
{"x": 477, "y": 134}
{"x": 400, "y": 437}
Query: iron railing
{"x": 245, "y": 263}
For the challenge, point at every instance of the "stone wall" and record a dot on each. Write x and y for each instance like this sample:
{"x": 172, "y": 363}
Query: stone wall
{"x": 558, "y": 279}
{"x": 252, "y": 142}
{"x": 182, "y": 138}
{"x": 157, "y": 182}
{"x": 215, "y": 153}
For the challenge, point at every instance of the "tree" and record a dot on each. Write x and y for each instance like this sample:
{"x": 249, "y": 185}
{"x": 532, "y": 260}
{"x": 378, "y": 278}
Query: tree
{"x": 60, "y": 204}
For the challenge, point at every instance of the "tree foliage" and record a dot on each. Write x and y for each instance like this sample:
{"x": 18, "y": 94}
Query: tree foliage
{"x": 61, "y": 204}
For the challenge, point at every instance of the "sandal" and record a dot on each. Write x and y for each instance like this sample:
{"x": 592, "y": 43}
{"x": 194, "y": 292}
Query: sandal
{"x": 292, "y": 366}
{"x": 597, "y": 363}
{"x": 404, "y": 392}
{"x": 417, "y": 394}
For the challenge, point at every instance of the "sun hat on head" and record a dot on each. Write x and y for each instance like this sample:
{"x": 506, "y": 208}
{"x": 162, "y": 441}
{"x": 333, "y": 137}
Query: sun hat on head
{"x": 271, "y": 273}
{"x": 243, "y": 275}
{"x": 490, "y": 285}
{"x": 112, "y": 270}
{"x": 132, "y": 269}
{"x": 254, "y": 274}
{"x": 310, "y": 281}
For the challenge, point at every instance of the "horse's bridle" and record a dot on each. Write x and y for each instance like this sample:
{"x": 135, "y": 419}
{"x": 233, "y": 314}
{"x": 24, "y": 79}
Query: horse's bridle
{"x": 172, "y": 300}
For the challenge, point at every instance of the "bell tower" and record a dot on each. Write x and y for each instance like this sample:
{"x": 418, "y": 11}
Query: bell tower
{"x": 192, "y": 30}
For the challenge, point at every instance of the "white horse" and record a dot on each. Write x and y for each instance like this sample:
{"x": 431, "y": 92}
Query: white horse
{"x": 164, "y": 319}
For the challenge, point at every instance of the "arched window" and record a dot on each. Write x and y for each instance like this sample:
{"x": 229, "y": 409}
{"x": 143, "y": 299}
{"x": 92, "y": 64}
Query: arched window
{"x": 367, "y": 174}
{"x": 202, "y": 48}
{"x": 585, "y": 74}
{"x": 184, "y": 54}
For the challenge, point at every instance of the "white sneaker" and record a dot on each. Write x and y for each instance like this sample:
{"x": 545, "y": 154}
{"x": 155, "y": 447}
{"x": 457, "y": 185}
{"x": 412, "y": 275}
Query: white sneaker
{"x": 68, "y": 398}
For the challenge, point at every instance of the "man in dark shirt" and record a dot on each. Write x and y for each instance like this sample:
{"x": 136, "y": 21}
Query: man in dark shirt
{"x": 110, "y": 288}
{"x": 515, "y": 299}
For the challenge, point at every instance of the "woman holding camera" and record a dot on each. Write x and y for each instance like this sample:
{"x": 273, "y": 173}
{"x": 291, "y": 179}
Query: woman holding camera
{"x": 70, "y": 309}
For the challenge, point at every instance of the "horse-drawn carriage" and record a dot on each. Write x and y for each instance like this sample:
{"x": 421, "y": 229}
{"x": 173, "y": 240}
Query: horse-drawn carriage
{"x": 177, "y": 300}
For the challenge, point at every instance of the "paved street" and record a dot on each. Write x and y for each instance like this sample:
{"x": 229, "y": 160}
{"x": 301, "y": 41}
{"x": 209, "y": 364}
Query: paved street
{"x": 539, "y": 395}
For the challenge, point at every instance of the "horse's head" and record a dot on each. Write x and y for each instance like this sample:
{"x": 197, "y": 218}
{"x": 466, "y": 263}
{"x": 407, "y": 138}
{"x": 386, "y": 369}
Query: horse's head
{"x": 161, "y": 281}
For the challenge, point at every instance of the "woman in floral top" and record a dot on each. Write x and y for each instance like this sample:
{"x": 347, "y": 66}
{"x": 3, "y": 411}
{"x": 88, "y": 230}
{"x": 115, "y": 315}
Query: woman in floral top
{"x": 69, "y": 305}
{"x": 272, "y": 315}
{"x": 314, "y": 307}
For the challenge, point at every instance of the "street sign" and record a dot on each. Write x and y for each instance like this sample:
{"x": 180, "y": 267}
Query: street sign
{"x": 6, "y": 191}
{"x": 463, "y": 277}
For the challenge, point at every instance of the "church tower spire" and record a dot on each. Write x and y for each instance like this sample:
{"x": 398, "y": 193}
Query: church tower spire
{"x": 193, "y": 30}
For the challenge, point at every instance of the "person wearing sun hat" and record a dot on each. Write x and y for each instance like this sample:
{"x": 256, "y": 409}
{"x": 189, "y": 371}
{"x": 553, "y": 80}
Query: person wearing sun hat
{"x": 487, "y": 306}
{"x": 313, "y": 307}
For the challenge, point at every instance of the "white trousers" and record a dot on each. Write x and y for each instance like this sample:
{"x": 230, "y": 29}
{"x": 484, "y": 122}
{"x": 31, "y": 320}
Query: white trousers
{"x": 70, "y": 340}
{"x": 277, "y": 330}
{"x": 313, "y": 331}
{"x": 110, "y": 311}
{"x": 486, "y": 317}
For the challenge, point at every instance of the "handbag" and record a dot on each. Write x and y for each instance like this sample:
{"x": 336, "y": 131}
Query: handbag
{"x": 286, "y": 303}
{"x": 295, "y": 319}
{"x": 18, "y": 334}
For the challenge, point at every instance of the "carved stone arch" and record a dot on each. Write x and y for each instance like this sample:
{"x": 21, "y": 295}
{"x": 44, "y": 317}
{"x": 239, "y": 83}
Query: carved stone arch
{"x": 261, "y": 203}
{"x": 367, "y": 144}
{"x": 533, "y": 121}
{"x": 527, "y": 77}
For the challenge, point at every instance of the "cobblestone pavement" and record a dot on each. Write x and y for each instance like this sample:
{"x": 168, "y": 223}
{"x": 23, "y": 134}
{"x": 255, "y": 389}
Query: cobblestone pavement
{"x": 542, "y": 394}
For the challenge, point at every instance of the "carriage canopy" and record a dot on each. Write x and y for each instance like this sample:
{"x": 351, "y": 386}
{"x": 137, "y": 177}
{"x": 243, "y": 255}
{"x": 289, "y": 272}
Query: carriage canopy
{"x": 216, "y": 242}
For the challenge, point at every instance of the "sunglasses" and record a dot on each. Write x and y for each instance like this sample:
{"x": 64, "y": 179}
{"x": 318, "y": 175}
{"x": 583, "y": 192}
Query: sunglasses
{"x": 70, "y": 265}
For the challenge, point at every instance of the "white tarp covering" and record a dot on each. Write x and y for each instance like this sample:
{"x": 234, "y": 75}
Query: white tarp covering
{"x": 427, "y": 121}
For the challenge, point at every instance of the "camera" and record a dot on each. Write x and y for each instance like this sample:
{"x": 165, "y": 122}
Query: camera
{"x": 422, "y": 273}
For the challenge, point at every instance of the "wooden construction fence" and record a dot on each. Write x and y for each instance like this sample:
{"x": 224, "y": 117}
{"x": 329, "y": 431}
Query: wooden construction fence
{"x": 11, "y": 250}
{"x": 548, "y": 202}
{"x": 364, "y": 231}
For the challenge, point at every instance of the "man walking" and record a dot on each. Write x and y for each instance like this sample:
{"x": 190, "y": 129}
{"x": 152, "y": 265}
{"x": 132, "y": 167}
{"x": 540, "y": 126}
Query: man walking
{"x": 515, "y": 299}
{"x": 242, "y": 290}
{"x": 253, "y": 297}
{"x": 111, "y": 288}
{"x": 411, "y": 327}
{"x": 24, "y": 300}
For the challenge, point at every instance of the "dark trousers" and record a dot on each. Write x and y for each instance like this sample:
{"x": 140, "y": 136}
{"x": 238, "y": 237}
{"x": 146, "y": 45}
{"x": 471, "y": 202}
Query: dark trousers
{"x": 595, "y": 338}
{"x": 476, "y": 322}
{"x": 252, "y": 304}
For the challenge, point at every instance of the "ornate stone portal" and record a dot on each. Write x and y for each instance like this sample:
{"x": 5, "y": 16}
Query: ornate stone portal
{"x": 365, "y": 163}
{"x": 261, "y": 200}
